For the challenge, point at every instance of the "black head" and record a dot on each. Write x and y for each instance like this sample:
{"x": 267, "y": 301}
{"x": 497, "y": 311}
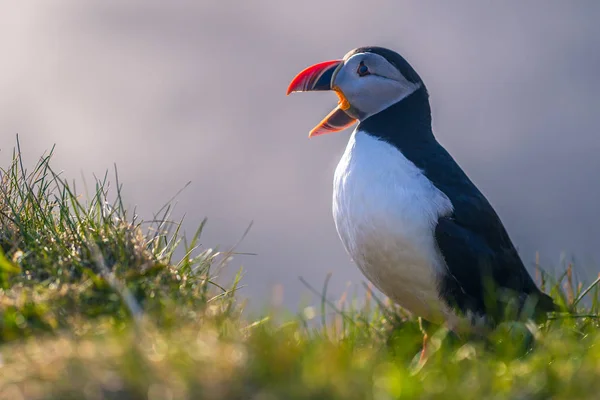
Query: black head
{"x": 393, "y": 58}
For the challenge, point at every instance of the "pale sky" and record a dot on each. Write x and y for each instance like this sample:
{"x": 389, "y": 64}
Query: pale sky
{"x": 195, "y": 91}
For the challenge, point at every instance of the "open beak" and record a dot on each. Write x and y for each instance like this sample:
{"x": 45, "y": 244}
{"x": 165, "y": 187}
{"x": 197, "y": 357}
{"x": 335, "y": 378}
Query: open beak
{"x": 320, "y": 77}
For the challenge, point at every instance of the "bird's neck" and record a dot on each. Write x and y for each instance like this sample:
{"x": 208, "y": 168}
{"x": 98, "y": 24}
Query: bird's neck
{"x": 404, "y": 124}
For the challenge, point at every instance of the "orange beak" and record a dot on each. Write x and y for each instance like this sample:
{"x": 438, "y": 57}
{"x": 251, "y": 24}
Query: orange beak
{"x": 320, "y": 77}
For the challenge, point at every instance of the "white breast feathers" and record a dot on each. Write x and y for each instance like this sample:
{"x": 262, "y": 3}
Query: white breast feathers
{"x": 385, "y": 211}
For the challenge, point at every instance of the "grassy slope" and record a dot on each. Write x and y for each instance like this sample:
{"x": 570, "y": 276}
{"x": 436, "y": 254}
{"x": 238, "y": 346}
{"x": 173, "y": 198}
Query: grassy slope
{"x": 93, "y": 305}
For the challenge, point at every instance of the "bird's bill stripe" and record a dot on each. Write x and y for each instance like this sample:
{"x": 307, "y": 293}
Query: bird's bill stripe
{"x": 337, "y": 120}
{"x": 315, "y": 77}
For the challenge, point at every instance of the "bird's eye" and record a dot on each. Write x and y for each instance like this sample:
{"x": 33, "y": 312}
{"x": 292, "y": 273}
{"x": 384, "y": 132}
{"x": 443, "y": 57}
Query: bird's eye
{"x": 363, "y": 70}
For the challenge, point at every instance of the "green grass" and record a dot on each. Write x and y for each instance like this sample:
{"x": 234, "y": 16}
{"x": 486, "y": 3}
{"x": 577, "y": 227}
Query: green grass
{"x": 94, "y": 304}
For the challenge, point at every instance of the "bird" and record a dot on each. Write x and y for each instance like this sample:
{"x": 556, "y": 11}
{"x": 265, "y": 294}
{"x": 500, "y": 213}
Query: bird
{"x": 407, "y": 214}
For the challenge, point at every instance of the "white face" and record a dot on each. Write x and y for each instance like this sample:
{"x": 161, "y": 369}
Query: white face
{"x": 371, "y": 84}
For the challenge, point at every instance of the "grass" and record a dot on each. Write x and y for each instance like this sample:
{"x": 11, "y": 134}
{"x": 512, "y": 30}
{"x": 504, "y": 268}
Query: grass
{"x": 95, "y": 304}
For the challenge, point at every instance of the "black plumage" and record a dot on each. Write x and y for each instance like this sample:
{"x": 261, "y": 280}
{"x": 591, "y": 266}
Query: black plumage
{"x": 482, "y": 262}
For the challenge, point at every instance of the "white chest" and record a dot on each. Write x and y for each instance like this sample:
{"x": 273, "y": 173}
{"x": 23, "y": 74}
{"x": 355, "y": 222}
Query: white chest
{"x": 385, "y": 210}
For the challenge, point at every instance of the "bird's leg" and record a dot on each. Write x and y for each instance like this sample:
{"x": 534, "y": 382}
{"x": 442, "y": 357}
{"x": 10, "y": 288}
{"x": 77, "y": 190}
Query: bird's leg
{"x": 423, "y": 356}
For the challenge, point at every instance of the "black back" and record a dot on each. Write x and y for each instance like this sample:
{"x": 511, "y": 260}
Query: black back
{"x": 475, "y": 245}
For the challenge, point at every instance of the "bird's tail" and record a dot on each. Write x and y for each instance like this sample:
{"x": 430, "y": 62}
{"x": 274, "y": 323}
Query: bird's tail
{"x": 544, "y": 305}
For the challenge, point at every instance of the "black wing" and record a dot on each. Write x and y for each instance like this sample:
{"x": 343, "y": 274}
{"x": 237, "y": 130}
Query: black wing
{"x": 482, "y": 261}
{"x": 475, "y": 245}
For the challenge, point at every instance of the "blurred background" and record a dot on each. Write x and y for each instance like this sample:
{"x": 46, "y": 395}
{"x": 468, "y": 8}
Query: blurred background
{"x": 195, "y": 91}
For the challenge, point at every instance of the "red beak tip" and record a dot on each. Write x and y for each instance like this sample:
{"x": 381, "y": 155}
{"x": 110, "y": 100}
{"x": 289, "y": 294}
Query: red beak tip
{"x": 305, "y": 80}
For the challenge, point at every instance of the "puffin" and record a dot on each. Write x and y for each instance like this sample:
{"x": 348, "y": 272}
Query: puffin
{"x": 407, "y": 214}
